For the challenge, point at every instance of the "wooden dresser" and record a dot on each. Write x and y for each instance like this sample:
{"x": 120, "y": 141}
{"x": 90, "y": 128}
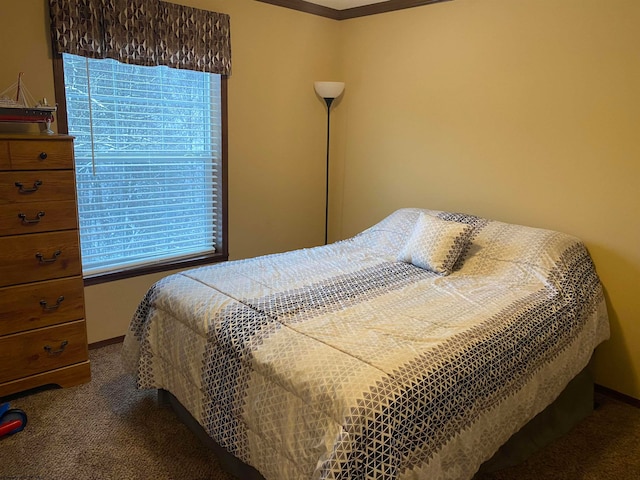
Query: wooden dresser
{"x": 43, "y": 337}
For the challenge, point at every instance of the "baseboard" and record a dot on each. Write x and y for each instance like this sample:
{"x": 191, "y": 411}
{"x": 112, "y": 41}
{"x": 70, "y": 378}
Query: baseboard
{"x": 634, "y": 402}
{"x": 107, "y": 342}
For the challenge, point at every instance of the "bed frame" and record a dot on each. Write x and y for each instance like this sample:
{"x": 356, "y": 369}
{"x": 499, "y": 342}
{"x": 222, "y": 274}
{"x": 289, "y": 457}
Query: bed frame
{"x": 572, "y": 405}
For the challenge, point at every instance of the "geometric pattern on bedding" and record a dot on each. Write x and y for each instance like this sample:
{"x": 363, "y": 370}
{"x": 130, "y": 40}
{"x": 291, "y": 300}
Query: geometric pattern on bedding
{"x": 324, "y": 363}
{"x": 244, "y": 326}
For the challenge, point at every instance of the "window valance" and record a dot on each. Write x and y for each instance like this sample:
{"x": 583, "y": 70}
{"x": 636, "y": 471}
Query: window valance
{"x": 143, "y": 32}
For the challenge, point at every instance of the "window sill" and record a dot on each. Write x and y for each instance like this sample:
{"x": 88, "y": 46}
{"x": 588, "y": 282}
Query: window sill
{"x": 154, "y": 268}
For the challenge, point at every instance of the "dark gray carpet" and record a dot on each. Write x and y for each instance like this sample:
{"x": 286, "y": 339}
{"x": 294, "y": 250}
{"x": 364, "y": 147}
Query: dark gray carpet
{"x": 108, "y": 430}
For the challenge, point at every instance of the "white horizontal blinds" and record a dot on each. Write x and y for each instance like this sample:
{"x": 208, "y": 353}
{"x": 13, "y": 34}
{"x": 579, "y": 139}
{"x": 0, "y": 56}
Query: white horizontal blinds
{"x": 147, "y": 149}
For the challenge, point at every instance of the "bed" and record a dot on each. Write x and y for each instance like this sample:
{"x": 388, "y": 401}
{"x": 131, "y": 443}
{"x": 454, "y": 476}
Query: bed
{"x": 413, "y": 350}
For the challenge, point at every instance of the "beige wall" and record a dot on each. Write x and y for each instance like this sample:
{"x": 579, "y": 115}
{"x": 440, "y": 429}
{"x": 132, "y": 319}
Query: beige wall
{"x": 276, "y": 130}
{"x": 524, "y": 111}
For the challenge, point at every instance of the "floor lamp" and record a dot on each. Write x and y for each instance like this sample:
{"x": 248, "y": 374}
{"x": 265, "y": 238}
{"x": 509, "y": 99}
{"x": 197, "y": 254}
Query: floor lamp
{"x": 329, "y": 91}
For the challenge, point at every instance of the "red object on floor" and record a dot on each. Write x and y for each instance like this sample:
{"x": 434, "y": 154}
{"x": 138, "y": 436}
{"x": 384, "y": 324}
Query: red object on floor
{"x": 12, "y": 420}
{"x": 12, "y": 426}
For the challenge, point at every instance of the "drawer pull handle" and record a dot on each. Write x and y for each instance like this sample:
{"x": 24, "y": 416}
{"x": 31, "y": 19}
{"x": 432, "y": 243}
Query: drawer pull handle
{"x": 43, "y": 155}
{"x": 54, "y": 353}
{"x": 49, "y": 308}
{"x": 26, "y": 221}
{"x": 41, "y": 258}
{"x": 37, "y": 184}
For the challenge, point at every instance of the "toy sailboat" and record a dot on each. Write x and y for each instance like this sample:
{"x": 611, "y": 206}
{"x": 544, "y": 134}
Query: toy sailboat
{"x": 22, "y": 108}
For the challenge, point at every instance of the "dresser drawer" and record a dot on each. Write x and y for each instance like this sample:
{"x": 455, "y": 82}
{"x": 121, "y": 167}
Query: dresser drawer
{"x": 40, "y": 256}
{"x": 5, "y": 162}
{"x": 42, "y": 154}
{"x": 42, "y": 304}
{"x": 29, "y": 353}
{"x": 36, "y": 217}
{"x": 36, "y": 186}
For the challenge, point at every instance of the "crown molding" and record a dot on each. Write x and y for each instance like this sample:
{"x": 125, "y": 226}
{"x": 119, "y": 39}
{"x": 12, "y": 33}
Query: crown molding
{"x": 306, "y": 7}
{"x": 348, "y": 13}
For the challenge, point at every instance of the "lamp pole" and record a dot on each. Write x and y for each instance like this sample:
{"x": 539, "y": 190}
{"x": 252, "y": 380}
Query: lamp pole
{"x": 328, "y": 101}
{"x": 329, "y": 91}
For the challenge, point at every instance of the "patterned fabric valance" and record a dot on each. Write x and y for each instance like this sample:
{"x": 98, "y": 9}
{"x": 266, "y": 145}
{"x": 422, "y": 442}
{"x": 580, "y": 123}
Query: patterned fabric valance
{"x": 143, "y": 32}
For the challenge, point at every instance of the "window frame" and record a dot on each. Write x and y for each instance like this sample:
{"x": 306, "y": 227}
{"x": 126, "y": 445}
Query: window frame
{"x": 222, "y": 249}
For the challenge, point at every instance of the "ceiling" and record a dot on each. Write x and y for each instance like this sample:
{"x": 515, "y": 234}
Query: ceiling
{"x": 344, "y": 4}
{"x": 345, "y": 9}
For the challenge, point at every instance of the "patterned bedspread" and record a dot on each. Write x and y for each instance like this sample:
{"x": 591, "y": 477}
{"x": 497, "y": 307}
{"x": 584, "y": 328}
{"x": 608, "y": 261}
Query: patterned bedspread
{"x": 339, "y": 362}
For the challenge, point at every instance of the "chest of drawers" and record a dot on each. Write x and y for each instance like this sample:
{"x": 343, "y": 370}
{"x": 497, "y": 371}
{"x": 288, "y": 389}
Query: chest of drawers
{"x": 43, "y": 336}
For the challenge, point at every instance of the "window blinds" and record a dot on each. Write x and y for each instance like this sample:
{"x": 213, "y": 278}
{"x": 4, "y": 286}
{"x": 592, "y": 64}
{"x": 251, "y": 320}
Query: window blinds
{"x": 148, "y": 160}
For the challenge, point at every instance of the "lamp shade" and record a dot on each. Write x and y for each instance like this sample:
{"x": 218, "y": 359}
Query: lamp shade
{"x": 329, "y": 89}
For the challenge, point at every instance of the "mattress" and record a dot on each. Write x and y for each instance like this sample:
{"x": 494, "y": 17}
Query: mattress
{"x": 341, "y": 361}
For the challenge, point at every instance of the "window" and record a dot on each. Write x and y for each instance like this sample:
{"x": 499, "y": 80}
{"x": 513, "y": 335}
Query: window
{"x": 149, "y": 168}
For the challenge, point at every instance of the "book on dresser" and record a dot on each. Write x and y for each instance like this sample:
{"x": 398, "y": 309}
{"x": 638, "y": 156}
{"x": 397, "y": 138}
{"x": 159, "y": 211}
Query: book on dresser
{"x": 43, "y": 337}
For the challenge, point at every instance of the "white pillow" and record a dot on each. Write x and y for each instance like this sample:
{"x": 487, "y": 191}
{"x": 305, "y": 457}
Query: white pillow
{"x": 435, "y": 244}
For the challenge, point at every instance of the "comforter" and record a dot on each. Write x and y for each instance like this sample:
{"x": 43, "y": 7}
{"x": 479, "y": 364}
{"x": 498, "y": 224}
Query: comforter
{"x": 340, "y": 362}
